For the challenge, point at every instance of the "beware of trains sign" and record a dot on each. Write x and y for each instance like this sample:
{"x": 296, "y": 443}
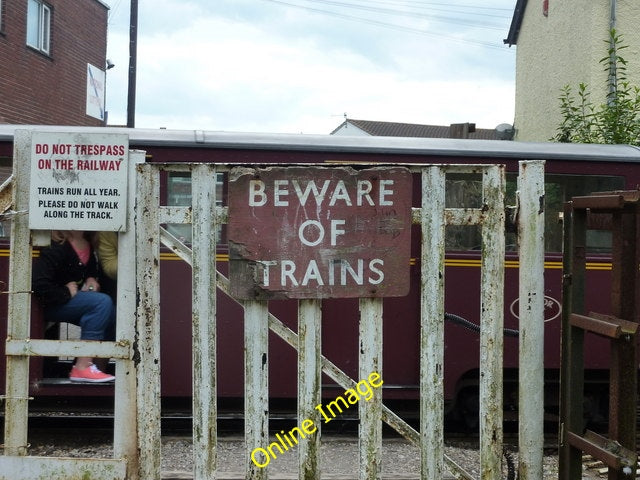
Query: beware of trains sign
{"x": 319, "y": 232}
{"x": 78, "y": 181}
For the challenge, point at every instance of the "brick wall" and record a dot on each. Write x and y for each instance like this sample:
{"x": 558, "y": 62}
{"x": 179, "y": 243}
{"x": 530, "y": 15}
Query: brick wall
{"x": 51, "y": 89}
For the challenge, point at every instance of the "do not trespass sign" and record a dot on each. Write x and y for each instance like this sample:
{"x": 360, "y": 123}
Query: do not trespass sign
{"x": 78, "y": 181}
{"x": 319, "y": 232}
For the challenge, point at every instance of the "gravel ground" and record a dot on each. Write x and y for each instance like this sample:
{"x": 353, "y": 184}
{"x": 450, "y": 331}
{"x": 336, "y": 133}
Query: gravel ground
{"x": 339, "y": 457}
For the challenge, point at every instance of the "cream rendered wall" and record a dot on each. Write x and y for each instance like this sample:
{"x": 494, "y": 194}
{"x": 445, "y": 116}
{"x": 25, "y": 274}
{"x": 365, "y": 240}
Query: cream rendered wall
{"x": 627, "y": 24}
{"x": 565, "y": 48}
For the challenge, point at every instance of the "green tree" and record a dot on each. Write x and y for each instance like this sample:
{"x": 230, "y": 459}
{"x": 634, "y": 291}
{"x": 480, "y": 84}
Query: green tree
{"x": 616, "y": 121}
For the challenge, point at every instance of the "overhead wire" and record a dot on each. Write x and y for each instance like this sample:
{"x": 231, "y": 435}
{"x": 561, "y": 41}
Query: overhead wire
{"x": 113, "y": 10}
{"x": 417, "y": 10}
{"x": 393, "y": 26}
{"x": 413, "y": 15}
{"x": 449, "y": 5}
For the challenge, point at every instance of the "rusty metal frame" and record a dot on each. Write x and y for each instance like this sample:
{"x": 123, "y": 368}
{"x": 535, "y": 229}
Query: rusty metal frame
{"x": 618, "y": 451}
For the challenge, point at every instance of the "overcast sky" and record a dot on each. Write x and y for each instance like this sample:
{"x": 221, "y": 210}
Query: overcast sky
{"x": 298, "y": 66}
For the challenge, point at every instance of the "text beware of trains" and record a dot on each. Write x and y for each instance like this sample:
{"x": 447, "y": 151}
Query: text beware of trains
{"x": 319, "y": 232}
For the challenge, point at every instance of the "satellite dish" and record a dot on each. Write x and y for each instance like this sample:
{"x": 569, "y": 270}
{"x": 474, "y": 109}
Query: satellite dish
{"x": 505, "y": 131}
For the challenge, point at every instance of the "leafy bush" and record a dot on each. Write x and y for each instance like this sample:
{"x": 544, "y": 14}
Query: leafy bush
{"x": 616, "y": 121}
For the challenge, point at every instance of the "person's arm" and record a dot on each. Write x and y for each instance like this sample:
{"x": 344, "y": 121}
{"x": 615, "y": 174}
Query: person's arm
{"x": 108, "y": 253}
{"x": 92, "y": 272}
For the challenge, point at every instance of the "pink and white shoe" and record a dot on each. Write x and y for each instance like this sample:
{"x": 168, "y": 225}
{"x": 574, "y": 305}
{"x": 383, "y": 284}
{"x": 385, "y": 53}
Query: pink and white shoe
{"x": 90, "y": 374}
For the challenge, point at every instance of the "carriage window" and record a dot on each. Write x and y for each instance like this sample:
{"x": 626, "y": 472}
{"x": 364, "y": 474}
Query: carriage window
{"x": 179, "y": 194}
{"x": 466, "y": 191}
{"x": 560, "y": 189}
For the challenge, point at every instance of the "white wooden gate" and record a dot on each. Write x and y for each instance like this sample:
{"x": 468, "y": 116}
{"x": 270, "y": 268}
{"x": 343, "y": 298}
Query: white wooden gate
{"x": 138, "y": 454}
{"x": 16, "y": 464}
{"x": 433, "y": 217}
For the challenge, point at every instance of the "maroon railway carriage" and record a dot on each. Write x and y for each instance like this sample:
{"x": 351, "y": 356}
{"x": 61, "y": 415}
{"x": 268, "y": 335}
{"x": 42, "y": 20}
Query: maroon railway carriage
{"x": 570, "y": 170}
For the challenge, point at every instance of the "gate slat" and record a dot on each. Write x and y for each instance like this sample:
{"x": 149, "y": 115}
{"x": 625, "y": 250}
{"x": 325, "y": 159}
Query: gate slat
{"x": 125, "y": 440}
{"x": 492, "y": 323}
{"x": 203, "y": 188}
{"x": 148, "y": 322}
{"x": 531, "y": 316}
{"x": 19, "y": 304}
{"x": 432, "y": 324}
{"x": 309, "y": 385}
{"x": 256, "y": 385}
{"x": 370, "y": 434}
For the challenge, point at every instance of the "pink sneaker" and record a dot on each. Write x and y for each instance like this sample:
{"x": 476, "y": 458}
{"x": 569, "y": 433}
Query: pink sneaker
{"x": 89, "y": 374}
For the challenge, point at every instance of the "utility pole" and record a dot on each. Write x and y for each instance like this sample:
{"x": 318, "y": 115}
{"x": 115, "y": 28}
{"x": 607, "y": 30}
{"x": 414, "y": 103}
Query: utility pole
{"x": 133, "y": 58}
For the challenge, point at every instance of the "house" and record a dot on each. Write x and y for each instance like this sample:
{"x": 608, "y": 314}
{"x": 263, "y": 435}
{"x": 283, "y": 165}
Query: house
{"x": 393, "y": 129}
{"x": 53, "y": 62}
{"x": 561, "y": 43}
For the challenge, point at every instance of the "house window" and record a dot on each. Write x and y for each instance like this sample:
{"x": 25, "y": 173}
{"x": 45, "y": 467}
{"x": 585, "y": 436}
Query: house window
{"x": 1, "y": 17}
{"x": 39, "y": 26}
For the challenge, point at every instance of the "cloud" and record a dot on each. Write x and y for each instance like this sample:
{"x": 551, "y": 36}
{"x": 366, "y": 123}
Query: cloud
{"x": 226, "y": 66}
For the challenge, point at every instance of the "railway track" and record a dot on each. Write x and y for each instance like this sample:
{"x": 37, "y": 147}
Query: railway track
{"x": 97, "y": 424}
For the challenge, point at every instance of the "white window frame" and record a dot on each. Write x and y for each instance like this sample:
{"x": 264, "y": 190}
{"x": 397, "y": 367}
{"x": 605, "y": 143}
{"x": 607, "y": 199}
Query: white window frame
{"x": 41, "y": 38}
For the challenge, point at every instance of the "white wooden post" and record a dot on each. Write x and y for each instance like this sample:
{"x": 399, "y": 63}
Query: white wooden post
{"x": 256, "y": 383}
{"x": 492, "y": 323}
{"x": 204, "y": 285}
{"x": 531, "y": 315}
{"x": 19, "y": 302}
{"x": 370, "y": 432}
{"x": 309, "y": 385}
{"x": 148, "y": 322}
{"x": 432, "y": 323}
{"x": 125, "y": 441}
